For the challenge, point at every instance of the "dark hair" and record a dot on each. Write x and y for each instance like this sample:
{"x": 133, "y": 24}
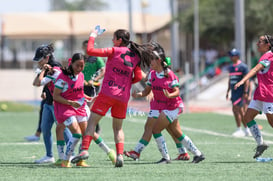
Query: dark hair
{"x": 269, "y": 39}
{"x": 84, "y": 42}
{"x": 69, "y": 70}
{"x": 43, "y": 51}
{"x": 143, "y": 51}
{"x": 159, "y": 53}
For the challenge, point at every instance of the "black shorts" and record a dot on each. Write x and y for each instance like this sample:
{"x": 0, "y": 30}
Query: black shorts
{"x": 91, "y": 91}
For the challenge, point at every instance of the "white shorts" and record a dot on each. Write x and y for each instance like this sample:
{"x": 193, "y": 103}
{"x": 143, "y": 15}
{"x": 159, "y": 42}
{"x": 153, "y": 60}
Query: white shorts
{"x": 171, "y": 115}
{"x": 78, "y": 119}
{"x": 265, "y": 107}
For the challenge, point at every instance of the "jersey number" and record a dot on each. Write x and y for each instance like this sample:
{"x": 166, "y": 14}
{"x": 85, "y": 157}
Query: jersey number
{"x": 130, "y": 54}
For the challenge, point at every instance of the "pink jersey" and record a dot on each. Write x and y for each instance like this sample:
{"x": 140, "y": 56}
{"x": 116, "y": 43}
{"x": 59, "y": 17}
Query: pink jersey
{"x": 158, "y": 82}
{"x": 264, "y": 91}
{"x": 72, "y": 89}
{"x": 118, "y": 74}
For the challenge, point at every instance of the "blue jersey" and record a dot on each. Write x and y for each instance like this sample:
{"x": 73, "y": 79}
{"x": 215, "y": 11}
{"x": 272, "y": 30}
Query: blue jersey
{"x": 236, "y": 73}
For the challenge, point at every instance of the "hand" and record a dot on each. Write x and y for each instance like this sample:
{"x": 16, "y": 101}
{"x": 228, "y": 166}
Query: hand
{"x": 75, "y": 104}
{"x": 166, "y": 93}
{"x": 43, "y": 95}
{"x": 90, "y": 83}
{"x": 136, "y": 95}
{"x": 46, "y": 67}
{"x": 97, "y": 31}
{"x": 238, "y": 85}
{"x": 246, "y": 97}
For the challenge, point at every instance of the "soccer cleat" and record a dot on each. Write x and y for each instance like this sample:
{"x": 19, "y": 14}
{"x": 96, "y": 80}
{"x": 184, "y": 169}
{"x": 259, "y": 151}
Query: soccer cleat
{"x": 260, "y": 149}
{"x": 183, "y": 156}
{"x": 82, "y": 163}
{"x": 197, "y": 159}
{"x": 112, "y": 156}
{"x": 82, "y": 156}
{"x": 119, "y": 162}
{"x": 132, "y": 154}
{"x": 59, "y": 162}
{"x": 32, "y": 138}
{"x": 163, "y": 161}
{"x": 66, "y": 164}
{"x": 45, "y": 159}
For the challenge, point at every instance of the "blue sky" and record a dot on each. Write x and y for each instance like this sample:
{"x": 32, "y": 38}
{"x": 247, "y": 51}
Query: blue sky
{"x": 11, "y": 6}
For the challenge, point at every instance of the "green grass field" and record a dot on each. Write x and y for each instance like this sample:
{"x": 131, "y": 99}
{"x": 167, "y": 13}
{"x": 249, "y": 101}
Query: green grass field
{"x": 227, "y": 158}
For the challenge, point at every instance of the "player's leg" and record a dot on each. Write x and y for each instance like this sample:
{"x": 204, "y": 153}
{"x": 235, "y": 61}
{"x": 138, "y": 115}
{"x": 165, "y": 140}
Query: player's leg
{"x": 254, "y": 108}
{"x": 145, "y": 139}
{"x": 161, "y": 123}
{"x": 182, "y": 151}
{"x": 186, "y": 141}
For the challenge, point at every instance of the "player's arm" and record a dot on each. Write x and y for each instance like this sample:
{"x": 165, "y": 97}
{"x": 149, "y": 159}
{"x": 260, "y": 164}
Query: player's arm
{"x": 137, "y": 75}
{"x": 173, "y": 94}
{"x": 246, "y": 90}
{"x": 57, "y": 97}
{"x": 143, "y": 93}
{"x": 228, "y": 89}
{"x": 101, "y": 74}
{"x": 250, "y": 74}
{"x": 99, "y": 52}
{"x": 41, "y": 79}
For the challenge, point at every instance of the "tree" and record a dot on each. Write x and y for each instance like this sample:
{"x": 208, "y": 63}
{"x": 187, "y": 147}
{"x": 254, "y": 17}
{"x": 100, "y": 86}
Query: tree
{"x": 77, "y": 5}
{"x": 217, "y": 20}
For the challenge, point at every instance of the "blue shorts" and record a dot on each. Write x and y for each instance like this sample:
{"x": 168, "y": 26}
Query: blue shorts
{"x": 237, "y": 99}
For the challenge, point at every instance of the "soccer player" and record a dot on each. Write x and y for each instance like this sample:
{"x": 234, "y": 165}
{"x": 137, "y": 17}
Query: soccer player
{"x": 49, "y": 69}
{"x": 263, "y": 95}
{"x": 122, "y": 70}
{"x": 240, "y": 96}
{"x": 165, "y": 106}
{"x": 70, "y": 107}
{"x": 147, "y": 135}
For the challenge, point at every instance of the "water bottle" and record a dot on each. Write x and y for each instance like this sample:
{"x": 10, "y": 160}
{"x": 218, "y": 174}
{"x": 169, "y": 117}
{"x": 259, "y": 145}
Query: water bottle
{"x": 259, "y": 159}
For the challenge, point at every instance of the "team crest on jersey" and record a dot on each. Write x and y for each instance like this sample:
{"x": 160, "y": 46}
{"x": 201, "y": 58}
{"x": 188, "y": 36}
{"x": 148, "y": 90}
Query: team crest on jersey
{"x": 72, "y": 85}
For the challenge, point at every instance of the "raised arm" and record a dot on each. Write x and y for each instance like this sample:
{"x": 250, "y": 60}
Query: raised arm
{"x": 99, "y": 52}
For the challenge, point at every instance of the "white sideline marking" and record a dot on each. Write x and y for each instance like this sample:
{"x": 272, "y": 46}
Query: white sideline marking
{"x": 211, "y": 132}
{"x": 203, "y": 131}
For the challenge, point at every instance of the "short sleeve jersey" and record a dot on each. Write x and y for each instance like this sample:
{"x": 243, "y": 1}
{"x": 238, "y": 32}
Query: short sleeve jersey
{"x": 158, "y": 82}
{"x": 118, "y": 74}
{"x": 72, "y": 89}
{"x": 91, "y": 67}
{"x": 264, "y": 91}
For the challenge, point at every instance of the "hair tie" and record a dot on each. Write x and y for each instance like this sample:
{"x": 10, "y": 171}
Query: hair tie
{"x": 168, "y": 61}
{"x": 69, "y": 61}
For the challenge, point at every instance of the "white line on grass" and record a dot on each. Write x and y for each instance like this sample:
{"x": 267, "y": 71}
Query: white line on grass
{"x": 203, "y": 131}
